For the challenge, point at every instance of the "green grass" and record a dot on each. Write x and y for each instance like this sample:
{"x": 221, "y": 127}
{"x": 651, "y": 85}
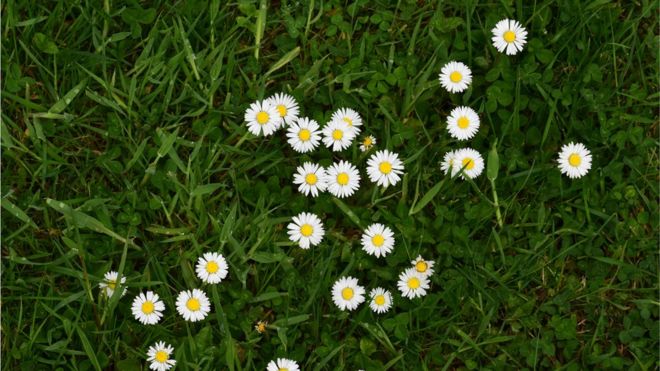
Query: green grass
{"x": 124, "y": 147}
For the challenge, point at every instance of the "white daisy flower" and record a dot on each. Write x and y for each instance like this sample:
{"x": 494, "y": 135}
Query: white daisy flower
{"x": 381, "y": 300}
{"x": 377, "y": 240}
{"x": 349, "y": 116}
{"x": 384, "y": 168}
{"x": 469, "y": 161}
{"x": 574, "y": 160}
{"x": 193, "y": 305}
{"x": 455, "y": 77}
{"x": 412, "y": 284}
{"x": 212, "y": 267}
{"x": 338, "y": 135}
{"x": 304, "y": 135}
{"x": 109, "y": 283}
{"x": 306, "y": 229}
{"x": 282, "y": 364}
{"x": 286, "y": 106}
{"x": 148, "y": 308}
{"x": 159, "y": 356}
{"x": 509, "y": 36}
{"x": 463, "y": 123}
{"x": 424, "y": 267}
{"x": 342, "y": 179}
{"x": 347, "y": 294}
{"x": 448, "y": 163}
{"x": 262, "y": 118}
{"x": 368, "y": 142}
{"x": 310, "y": 178}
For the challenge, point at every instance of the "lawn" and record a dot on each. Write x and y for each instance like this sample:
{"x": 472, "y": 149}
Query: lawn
{"x": 124, "y": 148}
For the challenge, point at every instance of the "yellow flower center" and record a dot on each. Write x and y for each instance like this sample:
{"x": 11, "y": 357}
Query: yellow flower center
{"x": 282, "y": 109}
{"x": 463, "y": 122}
{"x": 385, "y": 167}
{"x": 261, "y": 327}
{"x": 378, "y": 240}
{"x": 413, "y": 283}
{"x": 311, "y": 179}
{"x": 574, "y": 160}
{"x": 212, "y": 267}
{"x": 348, "y": 121}
{"x": 161, "y": 356}
{"x": 112, "y": 284}
{"x": 283, "y": 369}
{"x": 468, "y": 163}
{"x": 147, "y": 307}
{"x": 342, "y": 179}
{"x": 421, "y": 266}
{"x": 347, "y": 293}
{"x": 262, "y": 117}
{"x": 306, "y": 230}
{"x": 455, "y": 77}
{"x": 337, "y": 134}
{"x": 367, "y": 142}
{"x": 379, "y": 299}
{"x": 304, "y": 135}
{"x": 509, "y": 36}
{"x": 193, "y": 304}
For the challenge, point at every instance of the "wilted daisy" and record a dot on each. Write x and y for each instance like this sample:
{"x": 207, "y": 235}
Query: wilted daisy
{"x": 286, "y": 106}
{"x": 109, "y": 283}
{"x": 337, "y": 135}
{"x": 342, "y": 179}
{"x": 574, "y": 160}
{"x": 462, "y": 123}
{"x": 212, "y": 267}
{"x": 304, "y": 135}
{"x": 282, "y": 364}
{"x": 412, "y": 284}
{"x": 455, "y": 77}
{"x": 260, "y": 327}
{"x": 306, "y": 229}
{"x": 368, "y": 142}
{"x": 349, "y": 116}
{"x": 448, "y": 163}
{"x": 310, "y": 178}
{"x": 509, "y": 36}
{"x": 381, "y": 300}
{"x": 384, "y": 168}
{"x": 470, "y": 161}
{"x": 424, "y": 267}
{"x": 262, "y": 118}
{"x": 159, "y": 356}
{"x": 193, "y": 305}
{"x": 377, "y": 240}
{"x": 148, "y": 308}
{"x": 347, "y": 294}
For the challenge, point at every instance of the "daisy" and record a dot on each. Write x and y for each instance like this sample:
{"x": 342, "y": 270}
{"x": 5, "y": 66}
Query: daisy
{"x": 310, "y": 178}
{"x": 509, "y": 35}
{"x": 148, "y": 309}
{"x": 262, "y": 118}
{"x": 306, "y": 229}
{"x": 286, "y": 106}
{"x": 304, "y": 135}
{"x": 381, "y": 300}
{"x": 212, "y": 267}
{"x": 455, "y": 77}
{"x": 368, "y": 142}
{"x": 282, "y": 364}
{"x": 347, "y": 294}
{"x": 469, "y": 161}
{"x": 342, "y": 179}
{"x": 412, "y": 284}
{"x": 159, "y": 356}
{"x": 448, "y": 163}
{"x": 260, "y": 327}
{"x": 462, "y": 123}
{"x": 384, "y": 168}
{"x": 377, "y": 240}
{"x": 349, "y": 116}
{"x": 574, "y": 160}
{"x": 337, "y": 134}
{"x": 109, "y": 283}
{"x": 424, "y": 267}
{"x": 193, "y": 305}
